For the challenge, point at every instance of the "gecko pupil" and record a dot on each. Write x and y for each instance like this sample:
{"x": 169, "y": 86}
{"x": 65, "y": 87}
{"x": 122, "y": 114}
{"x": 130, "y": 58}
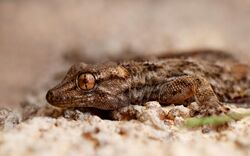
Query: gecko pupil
{"x": 86, "y": 81}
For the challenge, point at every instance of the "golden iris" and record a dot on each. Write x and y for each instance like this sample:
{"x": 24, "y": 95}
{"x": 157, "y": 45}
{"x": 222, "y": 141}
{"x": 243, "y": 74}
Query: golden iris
{"x": 86, "y": 81}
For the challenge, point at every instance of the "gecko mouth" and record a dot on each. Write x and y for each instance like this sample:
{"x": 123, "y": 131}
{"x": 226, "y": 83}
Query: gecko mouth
{"x": 62, "y": 101}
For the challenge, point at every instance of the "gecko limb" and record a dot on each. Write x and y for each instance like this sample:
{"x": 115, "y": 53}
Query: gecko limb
{"x": 179, "y": 89}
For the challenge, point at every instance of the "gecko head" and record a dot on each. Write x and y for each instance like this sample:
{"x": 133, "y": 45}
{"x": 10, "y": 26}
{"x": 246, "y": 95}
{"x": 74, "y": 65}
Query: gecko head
{"x": 98, "y": 86}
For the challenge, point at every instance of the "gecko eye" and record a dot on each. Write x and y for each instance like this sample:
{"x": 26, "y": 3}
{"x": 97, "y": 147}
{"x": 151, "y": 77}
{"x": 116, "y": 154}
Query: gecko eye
{"x": 86, "y": 81}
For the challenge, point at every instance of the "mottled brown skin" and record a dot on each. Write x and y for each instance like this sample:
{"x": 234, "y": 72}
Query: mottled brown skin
{"x": 168, "y": 81}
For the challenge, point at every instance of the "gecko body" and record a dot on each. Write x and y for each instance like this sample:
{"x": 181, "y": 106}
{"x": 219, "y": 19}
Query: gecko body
{"x": 113, "y": 85}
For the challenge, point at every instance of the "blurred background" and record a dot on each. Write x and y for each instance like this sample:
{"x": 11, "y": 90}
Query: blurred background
{"x": 37, "y": 36}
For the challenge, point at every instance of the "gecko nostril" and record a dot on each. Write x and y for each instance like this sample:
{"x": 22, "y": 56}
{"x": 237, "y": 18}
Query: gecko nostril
{"x": 49, "y": 96}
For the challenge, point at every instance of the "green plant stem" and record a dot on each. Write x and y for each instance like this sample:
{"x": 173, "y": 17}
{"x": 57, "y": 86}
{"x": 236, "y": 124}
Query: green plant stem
{"x": 214, "y": 120}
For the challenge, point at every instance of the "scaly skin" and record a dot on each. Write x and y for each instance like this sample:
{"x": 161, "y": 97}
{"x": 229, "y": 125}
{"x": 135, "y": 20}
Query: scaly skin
{"x": 168, "y": 81}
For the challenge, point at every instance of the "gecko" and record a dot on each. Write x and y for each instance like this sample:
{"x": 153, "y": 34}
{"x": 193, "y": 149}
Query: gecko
{"x": 168, "y": 80}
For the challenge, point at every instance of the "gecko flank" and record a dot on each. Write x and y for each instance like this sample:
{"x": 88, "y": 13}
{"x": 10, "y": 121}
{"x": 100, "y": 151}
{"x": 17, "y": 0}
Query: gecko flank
{"x": 169, "y": 81}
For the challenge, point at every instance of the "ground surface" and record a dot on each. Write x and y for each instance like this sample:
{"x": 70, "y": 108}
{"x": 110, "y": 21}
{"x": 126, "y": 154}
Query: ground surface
{"x": 77, "y": 133}
{"x": 39, "y": 39}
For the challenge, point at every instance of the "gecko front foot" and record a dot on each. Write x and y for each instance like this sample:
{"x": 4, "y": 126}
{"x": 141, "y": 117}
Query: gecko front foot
{"x": 213, "y": 110}
{"x": 184, "y": 87}
{"x": 207, "y": 109}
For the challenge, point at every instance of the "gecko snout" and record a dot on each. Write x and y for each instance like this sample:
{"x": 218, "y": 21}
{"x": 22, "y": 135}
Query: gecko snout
{"x": 54, "y": 98}
{"x": 50, "y": 96}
